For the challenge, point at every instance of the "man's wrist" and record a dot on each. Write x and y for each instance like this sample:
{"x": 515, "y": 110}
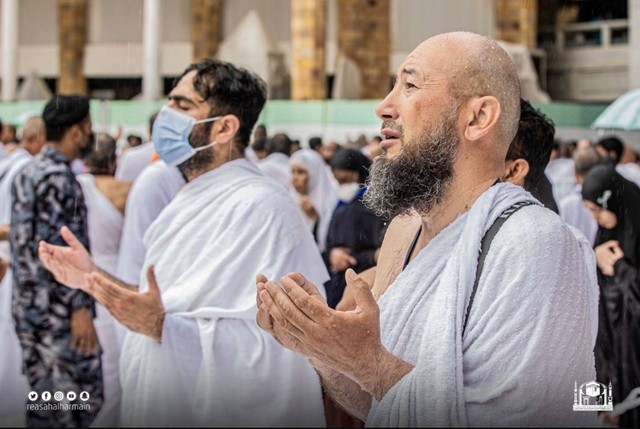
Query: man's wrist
{"x": 320, "y": 367}
{"x": 158, "y": 327}
{"x": 79, "y": 310}
{"x": 81, "y": 299}
{"x": 383, "y": 373}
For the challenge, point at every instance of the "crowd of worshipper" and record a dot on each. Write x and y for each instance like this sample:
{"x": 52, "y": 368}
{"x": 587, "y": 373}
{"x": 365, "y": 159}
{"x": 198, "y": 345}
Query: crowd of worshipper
{"x": 143, "y": 272}
{"x": 126, "y": 185}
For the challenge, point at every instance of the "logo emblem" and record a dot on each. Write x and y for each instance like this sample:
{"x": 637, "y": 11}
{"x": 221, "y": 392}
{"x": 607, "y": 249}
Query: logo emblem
{"x": 71, "y": 396}
{"x": 603, "y": 200}
{"x": 84, "y": 396}
{"x": 46, "y": 396}
{"x": 592, "y": 396}
{"x": 33, "y": 396}
{"x": 58, "y": 396}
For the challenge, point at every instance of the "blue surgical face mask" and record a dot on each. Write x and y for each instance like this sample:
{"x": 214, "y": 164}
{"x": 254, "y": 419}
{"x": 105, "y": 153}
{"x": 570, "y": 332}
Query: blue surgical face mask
{"x": 171, "y": 131}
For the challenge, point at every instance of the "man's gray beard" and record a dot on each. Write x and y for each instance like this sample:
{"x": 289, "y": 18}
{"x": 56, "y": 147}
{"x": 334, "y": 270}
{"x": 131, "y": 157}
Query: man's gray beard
{"x": 417, "y": 178}
{"x": 200, "y": 162}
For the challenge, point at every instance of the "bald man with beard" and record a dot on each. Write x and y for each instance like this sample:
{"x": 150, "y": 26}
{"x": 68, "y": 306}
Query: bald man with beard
{"x": 438, "y": 347}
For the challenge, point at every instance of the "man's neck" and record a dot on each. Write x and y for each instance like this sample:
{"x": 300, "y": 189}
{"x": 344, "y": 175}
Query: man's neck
{"x": 68, "y": 150}
{"x": 458, "y": 200}
{"x": 192, "y": 174}
{"x": 27, "y": 148}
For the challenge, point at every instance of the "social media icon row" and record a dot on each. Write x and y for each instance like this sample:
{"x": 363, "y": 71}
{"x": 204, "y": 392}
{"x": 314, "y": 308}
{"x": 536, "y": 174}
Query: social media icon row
{"x": 58, "y": 396}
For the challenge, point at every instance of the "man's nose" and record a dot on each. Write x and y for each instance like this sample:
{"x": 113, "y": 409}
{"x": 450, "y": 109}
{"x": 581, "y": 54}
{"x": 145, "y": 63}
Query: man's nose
{"x": 387, "y": 109}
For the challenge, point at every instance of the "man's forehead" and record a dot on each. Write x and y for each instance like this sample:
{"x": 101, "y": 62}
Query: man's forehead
{"x": 423, "y": 62}
{"x": 418, "y": 68}
{"x": 185, "y": 88}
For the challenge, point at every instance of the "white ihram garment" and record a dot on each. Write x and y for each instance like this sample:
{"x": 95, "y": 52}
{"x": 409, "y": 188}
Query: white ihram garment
{"x": 13, "y": 384}
{"x": 531, "y": 329}
{"x": 150, "y": 193}
{"x": 133, "y": 161}
{"x": 573, "y": 211}
{"x": 105, "y": 226}
{"x": 277, "y": 166}
{"x": 215, "y": 366}
{"x": 321, "y": 190}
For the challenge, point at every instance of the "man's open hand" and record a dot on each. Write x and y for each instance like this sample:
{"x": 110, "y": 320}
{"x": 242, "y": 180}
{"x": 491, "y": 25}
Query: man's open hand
{"x": 83, "y": 334}
{"x": 69, "y": 265}
{"x": 140, "y": 312}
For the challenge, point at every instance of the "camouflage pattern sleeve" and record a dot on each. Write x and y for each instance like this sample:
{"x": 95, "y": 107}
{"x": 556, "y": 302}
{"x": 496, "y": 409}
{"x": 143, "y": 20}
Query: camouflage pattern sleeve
{"x": 62, "y": 204}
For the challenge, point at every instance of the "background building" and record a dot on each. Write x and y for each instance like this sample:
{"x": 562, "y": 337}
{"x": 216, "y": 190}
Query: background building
{"x": 567, "y": 51}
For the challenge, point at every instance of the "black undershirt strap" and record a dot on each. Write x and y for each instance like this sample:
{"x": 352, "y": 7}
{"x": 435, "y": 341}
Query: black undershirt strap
{"x": 407, "y": 258}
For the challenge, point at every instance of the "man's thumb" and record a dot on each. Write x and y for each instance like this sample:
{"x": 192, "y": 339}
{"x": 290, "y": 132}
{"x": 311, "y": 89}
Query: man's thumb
{"x": 362, "y": 291}
{"x": 70, "y": 238}
{"x": 151, "y": 279}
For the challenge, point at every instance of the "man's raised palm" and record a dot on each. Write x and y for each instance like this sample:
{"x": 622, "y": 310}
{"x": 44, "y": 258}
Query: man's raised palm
{"x": 69, "y": 265}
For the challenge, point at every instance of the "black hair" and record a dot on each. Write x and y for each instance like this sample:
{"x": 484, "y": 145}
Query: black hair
{"x": 352, "y": 160}
{"x": 259, "y": 145}
{"x": 612, "y": 144}
{"x": 229, "y": 90}
{"x": 152, "y": 120}
{"x": 315, "y": 143}
{"x": 279, "y": 143}
{"x": 533, "y": 142}
{"x": 136, "y": 138}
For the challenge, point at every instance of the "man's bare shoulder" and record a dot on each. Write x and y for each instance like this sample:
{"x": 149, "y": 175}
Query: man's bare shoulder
{"x": 393, "y": 251}
{"x": 400, "y": 232}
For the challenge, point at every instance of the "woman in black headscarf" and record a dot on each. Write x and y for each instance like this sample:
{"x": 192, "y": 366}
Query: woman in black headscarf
{"x": 614, "y": 203}
{"x": 356, "y": 232}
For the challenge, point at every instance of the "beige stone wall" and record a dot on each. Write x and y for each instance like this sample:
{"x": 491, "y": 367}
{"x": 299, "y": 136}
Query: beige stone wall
{"x": 206, "y": 21}
{"x": 308, "y": 37}
{"x": 517, "y": 21}
{"x": 72, "y": 37}
{"x": 364, "y": 35}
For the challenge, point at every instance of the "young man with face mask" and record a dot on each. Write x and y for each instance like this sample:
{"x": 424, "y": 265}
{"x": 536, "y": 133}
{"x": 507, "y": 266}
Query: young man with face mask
{"x": 193, "y": 354}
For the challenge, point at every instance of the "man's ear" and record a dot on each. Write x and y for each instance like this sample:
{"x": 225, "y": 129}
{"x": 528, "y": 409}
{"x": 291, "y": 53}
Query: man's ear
{"x": 515, "y": 171}
{"x": 76, "y": 132}
{"x": 482, "y": 115}
{"x": 224, "y": 129}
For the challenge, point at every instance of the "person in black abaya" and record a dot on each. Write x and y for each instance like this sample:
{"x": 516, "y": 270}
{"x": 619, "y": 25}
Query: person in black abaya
{"x": 355, "y": 232}
{"x": 614, "y": 203}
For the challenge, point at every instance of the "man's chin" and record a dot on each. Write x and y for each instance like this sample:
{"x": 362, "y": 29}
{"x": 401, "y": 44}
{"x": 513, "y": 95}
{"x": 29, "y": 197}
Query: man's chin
{"x": 391, "y": 151}
{"x": 388, "y": 154}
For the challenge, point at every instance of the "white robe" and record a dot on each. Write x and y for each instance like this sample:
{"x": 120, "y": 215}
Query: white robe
{"x": 250, "y": 155}
{"x": 13, "y": 384}
{"x": 573, "y": 211}
{"x": 15, "y": 162}
{"x": 531, "y": 329}
{"x": 133, "y": 161}
{"x": 152, "y": 190}
{"x": 105, "y": 227}
{"x": 215, "y": 366}
{"x": 630, "y": 171}
{"x": 321, "y": 189}
{"x": 561, "y": 174}
{"x": 277, "y": 167}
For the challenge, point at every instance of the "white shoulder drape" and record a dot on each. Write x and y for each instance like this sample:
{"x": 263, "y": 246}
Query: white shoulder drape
{"x": 215, "y": 367}
{"x": 531, "y": 329}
